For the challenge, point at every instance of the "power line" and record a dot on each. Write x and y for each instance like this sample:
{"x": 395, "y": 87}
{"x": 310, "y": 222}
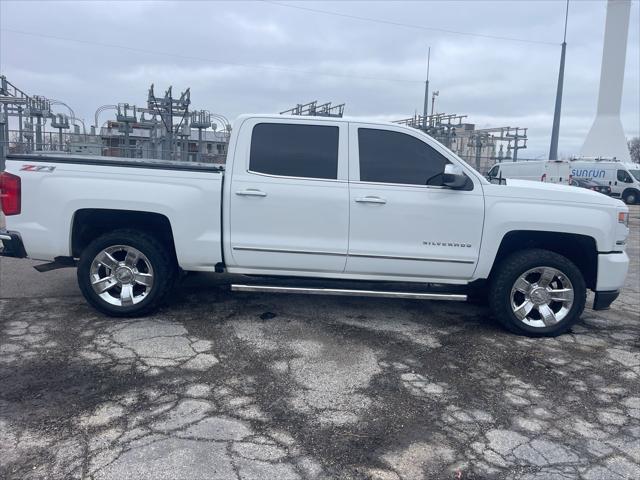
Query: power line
{"x": 408, "y": 25}
{"x": 210, "y": 60}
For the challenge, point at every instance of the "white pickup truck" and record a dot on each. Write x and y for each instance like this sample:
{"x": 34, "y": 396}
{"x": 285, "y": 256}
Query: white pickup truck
{"x": 354, "y": 207}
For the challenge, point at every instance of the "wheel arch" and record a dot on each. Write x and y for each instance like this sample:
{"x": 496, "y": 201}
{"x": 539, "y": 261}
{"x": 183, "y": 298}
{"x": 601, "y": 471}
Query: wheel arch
{"x": 90, "y": 223}
{"x": 580, "y": 249}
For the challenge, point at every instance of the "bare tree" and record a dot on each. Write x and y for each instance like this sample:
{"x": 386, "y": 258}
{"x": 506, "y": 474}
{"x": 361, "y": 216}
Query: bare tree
{"x": 634, "y": 149}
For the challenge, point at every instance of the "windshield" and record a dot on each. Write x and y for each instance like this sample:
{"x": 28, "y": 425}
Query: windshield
{"x": 636, "y": 174}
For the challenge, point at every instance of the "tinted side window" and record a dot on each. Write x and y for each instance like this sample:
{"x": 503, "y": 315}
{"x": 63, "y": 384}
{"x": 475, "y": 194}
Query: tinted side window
{"x": 623, "y": 176}
{"x": 295, "y": 150}
{"x": 493, "y": 172}
{"x": 393, "y": 157}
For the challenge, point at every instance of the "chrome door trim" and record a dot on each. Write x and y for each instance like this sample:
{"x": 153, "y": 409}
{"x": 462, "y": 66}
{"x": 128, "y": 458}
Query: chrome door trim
{"x": 420, "y": 259}
{"x": 411, "y": 185}
{"x": 286, "y": 250}
{"x": 287, "y": 177}
{"x": 348, "y": 292}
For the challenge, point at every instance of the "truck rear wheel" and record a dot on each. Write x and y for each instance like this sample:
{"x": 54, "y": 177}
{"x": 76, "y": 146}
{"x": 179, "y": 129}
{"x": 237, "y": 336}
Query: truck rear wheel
{"x": 537, "y": 293}
{"x": 125, "y": 273}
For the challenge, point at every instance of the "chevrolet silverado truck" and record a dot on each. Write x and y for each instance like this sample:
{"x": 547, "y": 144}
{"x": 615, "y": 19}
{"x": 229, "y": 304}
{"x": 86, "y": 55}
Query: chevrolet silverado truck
{"x": 324, "y": 206}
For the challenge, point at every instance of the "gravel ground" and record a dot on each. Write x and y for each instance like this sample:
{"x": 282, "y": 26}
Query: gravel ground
{"x": 221, "y": 385}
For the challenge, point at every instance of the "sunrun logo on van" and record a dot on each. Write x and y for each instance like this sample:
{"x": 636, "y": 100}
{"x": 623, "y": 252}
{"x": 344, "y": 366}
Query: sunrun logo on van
{"x": 587, "y": 173}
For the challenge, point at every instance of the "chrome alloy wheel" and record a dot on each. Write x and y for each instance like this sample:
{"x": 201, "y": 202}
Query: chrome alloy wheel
{"x": 541, "y": 297}
{"x": 121, "y": 275}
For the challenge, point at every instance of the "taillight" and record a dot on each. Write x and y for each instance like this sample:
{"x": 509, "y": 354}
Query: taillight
{"x": 9, "y": 193}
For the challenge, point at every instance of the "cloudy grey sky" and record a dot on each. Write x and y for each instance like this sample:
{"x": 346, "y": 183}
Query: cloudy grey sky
{"x": 241, "y": 57}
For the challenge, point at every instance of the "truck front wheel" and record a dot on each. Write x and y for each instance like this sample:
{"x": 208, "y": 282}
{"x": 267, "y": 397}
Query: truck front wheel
{"x": 125, "y": 273}
{"x": 537, "y": 293}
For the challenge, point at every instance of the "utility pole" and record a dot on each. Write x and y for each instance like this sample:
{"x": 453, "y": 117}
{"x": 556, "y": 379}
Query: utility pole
{"x": 200, "y": 120}
{"x": 4, "y": 137}
{"x": 555, "y": 130}
{"x": 520, "y": 135}
{"x": 125, "y": 117}
{"x": 425, "y": 110}
{"x": 433, "y": 100}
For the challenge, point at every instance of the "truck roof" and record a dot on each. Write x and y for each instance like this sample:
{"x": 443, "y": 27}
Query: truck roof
{"x": 318, "y": 118}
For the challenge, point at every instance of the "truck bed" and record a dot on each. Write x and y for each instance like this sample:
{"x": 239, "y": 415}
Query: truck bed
{"x": 56, "y": 187}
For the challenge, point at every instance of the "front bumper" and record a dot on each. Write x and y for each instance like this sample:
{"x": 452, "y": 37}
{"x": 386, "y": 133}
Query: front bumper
{"x": 11, "y": 245}
{"x": 612, "y": 271}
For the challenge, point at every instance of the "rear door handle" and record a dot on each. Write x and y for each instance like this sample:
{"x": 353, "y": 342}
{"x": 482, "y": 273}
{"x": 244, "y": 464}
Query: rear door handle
{"x": 371, "y": 200}
{"x": 251, "y": 192}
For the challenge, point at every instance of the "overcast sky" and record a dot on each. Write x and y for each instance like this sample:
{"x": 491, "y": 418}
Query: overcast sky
{"x": 242, "y": 57}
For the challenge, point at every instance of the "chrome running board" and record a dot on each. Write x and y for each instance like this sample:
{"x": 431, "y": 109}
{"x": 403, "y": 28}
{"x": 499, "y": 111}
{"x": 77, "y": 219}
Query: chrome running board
{"x": 348, "y": 292}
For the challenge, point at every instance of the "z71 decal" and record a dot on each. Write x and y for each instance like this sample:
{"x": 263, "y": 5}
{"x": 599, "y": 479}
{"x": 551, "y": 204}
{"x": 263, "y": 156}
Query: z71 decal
{"x": 38, "y": 168}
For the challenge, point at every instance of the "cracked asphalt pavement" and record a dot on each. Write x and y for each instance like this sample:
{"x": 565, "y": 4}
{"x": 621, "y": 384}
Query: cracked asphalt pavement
{"x": 256, "y": 386}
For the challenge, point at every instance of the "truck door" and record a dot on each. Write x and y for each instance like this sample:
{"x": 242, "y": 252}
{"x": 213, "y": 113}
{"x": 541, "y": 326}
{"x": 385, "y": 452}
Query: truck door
{"x": 617, "y": 180}
{"x": 288, "y": 198}
{"x": 400, "y": 225}
{"x": 622, "y": 176}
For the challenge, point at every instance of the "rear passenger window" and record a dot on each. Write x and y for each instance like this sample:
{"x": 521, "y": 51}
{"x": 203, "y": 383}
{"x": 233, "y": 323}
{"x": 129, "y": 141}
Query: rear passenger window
{"x": 394, "y": 157}
{"x": 292, "y": 150}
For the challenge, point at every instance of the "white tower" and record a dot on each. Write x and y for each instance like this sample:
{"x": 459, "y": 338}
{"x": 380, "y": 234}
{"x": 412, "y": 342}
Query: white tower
{"x": 606, "y": 137}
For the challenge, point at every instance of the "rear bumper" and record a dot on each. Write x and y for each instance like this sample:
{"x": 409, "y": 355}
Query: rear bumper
{"x": 11, "y": 245}
{"x": 612, "y": 271}
{"x": 603, "y": 300}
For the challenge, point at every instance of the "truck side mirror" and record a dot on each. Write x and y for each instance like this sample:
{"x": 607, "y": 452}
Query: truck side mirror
{"x": 454, "y": 177}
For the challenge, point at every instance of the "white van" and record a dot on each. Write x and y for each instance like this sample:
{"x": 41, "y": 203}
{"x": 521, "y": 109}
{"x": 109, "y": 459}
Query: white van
{"x": 623, "y": 178}
{"x": 550, "y": 171}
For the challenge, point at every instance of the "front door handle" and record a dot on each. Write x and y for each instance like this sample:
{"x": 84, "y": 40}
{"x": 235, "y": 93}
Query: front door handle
{"x": 251, "y": 192}
{"x": 371, "y": 200}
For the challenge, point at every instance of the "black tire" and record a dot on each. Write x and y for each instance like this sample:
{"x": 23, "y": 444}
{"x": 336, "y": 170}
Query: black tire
{"x": 630, "y": 197}
{"x": 511, "y": 268}
{"x": 159, "y": 256}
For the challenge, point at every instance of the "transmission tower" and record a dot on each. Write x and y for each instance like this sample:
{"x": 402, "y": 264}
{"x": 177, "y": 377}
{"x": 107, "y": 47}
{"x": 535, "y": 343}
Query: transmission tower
{"x": 169, "y": 109}
{"x": 313, "y": 109}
